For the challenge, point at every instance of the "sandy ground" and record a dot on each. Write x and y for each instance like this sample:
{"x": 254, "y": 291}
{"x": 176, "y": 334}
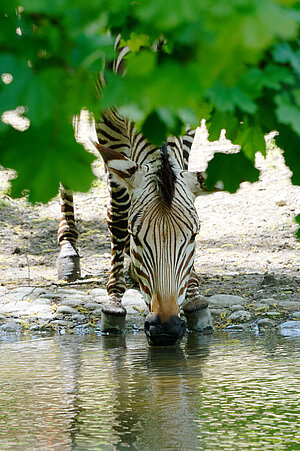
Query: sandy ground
{"x": 246, "y": 245}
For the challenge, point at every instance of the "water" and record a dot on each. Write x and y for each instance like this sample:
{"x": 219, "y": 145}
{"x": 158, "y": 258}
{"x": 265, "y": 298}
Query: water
{"x": 229, "y": 392}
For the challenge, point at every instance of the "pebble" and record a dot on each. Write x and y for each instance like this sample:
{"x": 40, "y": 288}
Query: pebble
{"x": 265, "y": 323}
{"x": 98, "y": 292}
{"x": 10, "y": 326}
{"x": 66, "y": 309}
{"x": 240, "y": 316}
{"x": 235, "y": 307}
{"x": 91, "y": 306}
{"x": 226, "y": 300}
{"x": 295, "y": 315}
{"x": 53, "y": 309}
{"x": 134, "y": 302}
{"x": 290, "y": 328}
{"x": 73, "y": 302}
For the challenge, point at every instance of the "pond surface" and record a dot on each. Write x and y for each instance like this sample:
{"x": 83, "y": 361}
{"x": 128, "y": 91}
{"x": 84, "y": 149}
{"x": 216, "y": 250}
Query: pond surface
{"x": 215, "y": 392}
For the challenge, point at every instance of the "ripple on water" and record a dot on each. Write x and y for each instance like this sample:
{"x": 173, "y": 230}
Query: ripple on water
{"x": 115, "y": 392}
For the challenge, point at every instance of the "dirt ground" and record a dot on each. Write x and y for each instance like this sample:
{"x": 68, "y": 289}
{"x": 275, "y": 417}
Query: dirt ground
{"x": 246, "y": 245}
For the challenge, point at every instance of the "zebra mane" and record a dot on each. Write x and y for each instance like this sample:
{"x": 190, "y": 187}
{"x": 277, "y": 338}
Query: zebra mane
{"x": 166, "y": 177}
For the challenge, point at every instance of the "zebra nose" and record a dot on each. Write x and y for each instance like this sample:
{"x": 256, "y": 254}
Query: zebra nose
{"x": 167, "y": 333}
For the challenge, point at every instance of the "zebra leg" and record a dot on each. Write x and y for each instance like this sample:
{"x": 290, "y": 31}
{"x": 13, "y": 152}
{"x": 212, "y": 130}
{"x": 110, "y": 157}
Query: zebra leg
{"x": 113, "y": 313}
{"x": 196, "y": 308}
{"x": 68, "y": 266}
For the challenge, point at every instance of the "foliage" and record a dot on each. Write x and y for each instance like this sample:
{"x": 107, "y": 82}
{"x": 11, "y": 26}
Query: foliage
{"x": 235, "y": 63}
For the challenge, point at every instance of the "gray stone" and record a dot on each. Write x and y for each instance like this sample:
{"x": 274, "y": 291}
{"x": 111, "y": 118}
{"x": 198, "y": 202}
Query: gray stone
{"x": 97, "y": 311}
{"x": 235, "y": 328}
{"x": 70, "y": 292}
{"x": 134, "y": 302}
{"x": 43, "y": 301}
{"x": 78, "y": 317}
{"x": 16, "y": 306}
{"x": 273, "y": 314}
{"x": 95, "y": 292}
{"x": 66, "y": 310}
{"x": 3, "y": 291}
{"x": 49, "y": 295}
{"x": 73, "y": 302}
{"x": 60, "y": 322}
{"x": 269, "y": 301}
{"x": 91, "y": 305}
{"x": 240, "y": 316}
{"x": 226, "y": 300}
{"x": 24, "y": 293}
{"x": 292, "y": 304}
{"x": 236, "y": 307}
{"x": 290, "y": 328}
{"x": 265, "y": 323}
{"x": 10, "y": 326}
{"x": 295, "y": 315}
{"x": 2, "y": 317}
{"x": 39, "y": 310}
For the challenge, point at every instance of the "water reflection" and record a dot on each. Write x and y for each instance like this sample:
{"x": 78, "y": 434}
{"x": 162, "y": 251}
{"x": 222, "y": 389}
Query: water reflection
{"x": 115, "y": 393}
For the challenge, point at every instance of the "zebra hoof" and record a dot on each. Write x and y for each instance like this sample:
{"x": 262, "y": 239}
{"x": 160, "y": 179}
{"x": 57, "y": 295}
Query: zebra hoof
{"x": 199, "y": 321}
{"x": 68, "y": 268}
{"x": 113, "y": 319}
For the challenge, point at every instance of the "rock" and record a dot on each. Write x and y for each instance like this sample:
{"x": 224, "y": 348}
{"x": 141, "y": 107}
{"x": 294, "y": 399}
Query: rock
{"x": 43, "y": 311}
{"x": 23, "y": 293}
{"x": 235, "y": 328}
{"x": 10, "y": 326}
{"x": 66, "y": 310}
{"x": 70, "y": 292}
{"x": 269, "y": 301}
{"x": 98, "y": 292}
{"x": 240, "y": 316}
{"x": 292, "y": 304}
{"x": 73, "y": 302}
{"x": 14, "y": 307}
{"x": 97, "y": 311}
{"x": 226, "y": 300}
{"x": 78, "y": 317}
{"x": 236, "y": 307}
{"x": 43, "y": 301}
{"x": 290, "y": 329}
{"x": 91, "y": 305}
{"x": 3, "y": 291}
{"x": 294, "y": 315}
{"x": 133, "y": 302}
{"x": 273, "y": 314}
{"x": 265, "y": 323}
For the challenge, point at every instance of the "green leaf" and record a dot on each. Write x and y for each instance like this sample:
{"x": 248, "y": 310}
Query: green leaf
{"x": 227, "y": 98}
{"x": 154, "y": 129}
{"x": 142, "y": 64}
{"x": 219, "y": 121}
{"x": 290, "y": 143}
{"x": 251, "y": 139}
{"x": 287, "y": 113}
{"x": 283, "y": 53}
{"x": 43, "y": 157}
{"x": 230, "y": 170}
{"x": 297, "y": 219}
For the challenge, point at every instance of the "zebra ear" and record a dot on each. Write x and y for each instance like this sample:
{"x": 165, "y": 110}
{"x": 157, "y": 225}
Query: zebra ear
{"x": 117, "y": 163}
{"x": 195, "y": 181}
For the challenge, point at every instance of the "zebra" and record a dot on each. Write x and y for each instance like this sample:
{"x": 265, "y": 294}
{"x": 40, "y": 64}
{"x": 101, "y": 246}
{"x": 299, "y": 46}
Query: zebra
{"x": 151, "y": 216}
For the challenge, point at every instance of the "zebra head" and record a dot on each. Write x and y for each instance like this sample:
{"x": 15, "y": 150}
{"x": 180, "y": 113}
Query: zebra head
{"x": 163, "y": 224}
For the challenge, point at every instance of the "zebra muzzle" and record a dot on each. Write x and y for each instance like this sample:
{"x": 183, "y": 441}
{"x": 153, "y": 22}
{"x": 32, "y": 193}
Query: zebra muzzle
{"x": 167, "y": 333}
